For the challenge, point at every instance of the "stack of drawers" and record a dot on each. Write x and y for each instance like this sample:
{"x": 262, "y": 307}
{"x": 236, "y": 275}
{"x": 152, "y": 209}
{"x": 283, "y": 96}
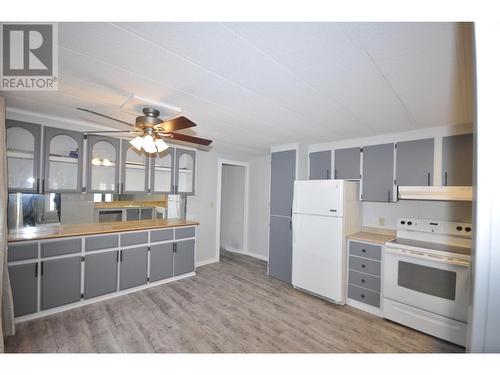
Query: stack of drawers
{"x": 365, "y": 264}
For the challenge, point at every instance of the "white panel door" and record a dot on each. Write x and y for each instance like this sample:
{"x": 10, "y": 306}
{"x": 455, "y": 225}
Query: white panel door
{"x": 318, "y": 197}
{"x": 318, "y": 256}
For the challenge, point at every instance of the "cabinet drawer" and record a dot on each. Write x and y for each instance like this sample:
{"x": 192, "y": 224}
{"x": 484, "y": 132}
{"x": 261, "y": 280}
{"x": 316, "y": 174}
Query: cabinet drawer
{"x": 364, "y": 280}
{"x": 22, "y": 251}
{"x": 61, "y": 247}
{"x": 365, "y": 250}
{"x": 364, "y": 265}
{"x": 184, "y": 232}
{"x": 128, "y": 239}
{"x": 161, "y": 235}
{"x": 364, "y": 295}
{"x": 101, "y": 242}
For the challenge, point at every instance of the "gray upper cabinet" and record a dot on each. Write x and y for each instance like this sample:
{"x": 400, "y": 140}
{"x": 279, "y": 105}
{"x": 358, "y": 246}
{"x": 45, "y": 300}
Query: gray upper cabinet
{"x": 162, "y": 176}
{"x": 320, "y": 165}
{"x": 415, "y": 163}
{"x": 60, "y": 281}
{"x": 161, "y": 261}
{"x": 101, "y": 274}
{"x": 24, "y": 281}
{"x": 347, "y": 163}
{"x": 23, "y": 156}
{"x": 133, "y": 267}
{"x": 63, "y": 160}
{"x": 282, "y": 178}
{"x": 184, "y": 257}
{"x": 457, "y": 160}
{"x": 280, "y": 248}
{"x": 378, "y": 173}
{"x": 185, "y": 167}
{"x": 103, "y": 160}
{"x": 135, "y": 166}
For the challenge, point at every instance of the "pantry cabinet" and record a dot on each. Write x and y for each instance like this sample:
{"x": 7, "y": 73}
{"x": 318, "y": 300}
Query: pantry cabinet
{"x": 457, "y": 160}
{"x": 63, "y": 160}
{"x": 103, "y": 161}
{"x": 23, "y": 156}
{"x": 320, "y": 165}
{"x": 415, "y": 162}
{"x": 378, "y": 173}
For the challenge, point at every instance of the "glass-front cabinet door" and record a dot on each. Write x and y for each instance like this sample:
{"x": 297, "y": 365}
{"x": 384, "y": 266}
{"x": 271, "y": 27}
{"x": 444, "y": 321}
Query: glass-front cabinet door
{"x": 185, "y": 164}
{"x": 162, "y": 176}
{"x": 23, "y": 156}
{"x": 135, "y": 166}
{"x": 63, "y": 160}
{"x": 102, "y": 164}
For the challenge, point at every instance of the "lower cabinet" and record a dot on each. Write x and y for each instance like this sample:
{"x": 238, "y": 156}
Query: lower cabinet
{"x": 61, "y": 281}
{"x": 24, "y": 283}
{"x": 101, "y": 274}
{"x": 133, "y": 267}
{"x": 161, "y": 257}
{"x": 184, "y": 257}
{"x": 280, "y": 248}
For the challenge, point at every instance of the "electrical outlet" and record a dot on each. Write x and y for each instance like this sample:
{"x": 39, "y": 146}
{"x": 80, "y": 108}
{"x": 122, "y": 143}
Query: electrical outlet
{"x": 381, "y": 221}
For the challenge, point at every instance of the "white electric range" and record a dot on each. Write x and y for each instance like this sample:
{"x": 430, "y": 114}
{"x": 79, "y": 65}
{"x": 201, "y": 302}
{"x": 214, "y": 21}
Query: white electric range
{"x": 427, "y": 275}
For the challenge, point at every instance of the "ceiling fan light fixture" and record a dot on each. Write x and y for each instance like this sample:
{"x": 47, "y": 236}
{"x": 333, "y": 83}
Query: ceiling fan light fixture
{"x": 160, "y": 145}
{"x": 137, "y": 142}
{"x": 149, "y": 144}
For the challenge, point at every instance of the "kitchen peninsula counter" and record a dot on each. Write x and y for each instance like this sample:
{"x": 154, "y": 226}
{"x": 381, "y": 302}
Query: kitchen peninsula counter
{"x": 70, "y": 230}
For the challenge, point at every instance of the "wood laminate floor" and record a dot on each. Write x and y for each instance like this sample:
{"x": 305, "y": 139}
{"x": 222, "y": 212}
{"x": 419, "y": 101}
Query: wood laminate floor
{"x": 231, "y": 306}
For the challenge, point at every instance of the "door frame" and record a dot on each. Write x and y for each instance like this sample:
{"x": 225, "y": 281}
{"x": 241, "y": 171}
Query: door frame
{"x": 220, "y": 163}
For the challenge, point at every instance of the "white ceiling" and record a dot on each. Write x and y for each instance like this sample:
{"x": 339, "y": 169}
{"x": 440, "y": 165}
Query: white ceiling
{"x": 253, "y": 85}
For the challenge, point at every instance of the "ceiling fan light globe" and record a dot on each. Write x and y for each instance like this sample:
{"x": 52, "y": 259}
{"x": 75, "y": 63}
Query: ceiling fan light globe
{"x": 160, "y": 145}
{"x": 137, "y": 143}
{"x": 149, "y": 144}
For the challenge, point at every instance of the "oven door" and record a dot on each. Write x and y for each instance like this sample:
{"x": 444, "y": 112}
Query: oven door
{"x": 437, "y": 285}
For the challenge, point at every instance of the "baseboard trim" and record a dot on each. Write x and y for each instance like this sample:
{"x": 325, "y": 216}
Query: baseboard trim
{"x": 202, "y": 263}
{"x": 249, "y": 253}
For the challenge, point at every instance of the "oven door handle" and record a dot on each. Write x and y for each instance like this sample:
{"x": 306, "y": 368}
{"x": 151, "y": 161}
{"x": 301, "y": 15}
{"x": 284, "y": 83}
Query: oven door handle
{"x": 417, "y": 255}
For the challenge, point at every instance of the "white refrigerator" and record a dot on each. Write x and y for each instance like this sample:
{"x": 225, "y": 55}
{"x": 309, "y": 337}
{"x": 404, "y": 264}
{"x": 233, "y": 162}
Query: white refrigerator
{"x": 324, "y": 213}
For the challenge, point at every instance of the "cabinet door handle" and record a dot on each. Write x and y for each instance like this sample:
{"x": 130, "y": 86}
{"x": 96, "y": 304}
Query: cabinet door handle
{"x": 290, "y": 224}
{"x": 388, "y": 195}
{"x": 327, "y": 174}
{"x": 121, "y": 256}
{"x": 36, "y": 269}
{"x": 445, "y": 178}
{"x": 335, "y": 174}
{"x": 428, "y": 178}
{"x": 38, "y": 185}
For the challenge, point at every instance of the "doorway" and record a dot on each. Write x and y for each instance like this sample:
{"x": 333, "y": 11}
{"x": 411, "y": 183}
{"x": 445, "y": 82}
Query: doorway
{"x": 232, "y": 206}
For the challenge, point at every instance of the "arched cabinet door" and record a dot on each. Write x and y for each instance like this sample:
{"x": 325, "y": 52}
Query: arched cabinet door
{"x": 102, "y": 164}
{"x": 63, "y": 160}
{"x": 23, "y": 156}
{"x": 185, "y": 166}
{"x": 135, "y": 166}
{"x": 162, "y": 172}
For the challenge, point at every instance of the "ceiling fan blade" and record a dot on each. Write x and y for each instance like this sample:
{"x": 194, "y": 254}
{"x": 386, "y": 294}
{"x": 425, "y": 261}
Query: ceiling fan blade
{"x": 105, "y": 116}
{"x": 175, "y": 124}
{"x": 188, "y": 138}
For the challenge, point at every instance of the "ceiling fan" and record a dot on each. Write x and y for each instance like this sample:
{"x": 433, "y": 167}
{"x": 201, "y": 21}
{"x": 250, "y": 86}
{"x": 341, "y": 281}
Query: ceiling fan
{"x": 150, "y": 130}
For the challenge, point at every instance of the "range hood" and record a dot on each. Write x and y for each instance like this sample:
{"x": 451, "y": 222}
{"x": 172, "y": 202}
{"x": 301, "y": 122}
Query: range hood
{"x": 436, "y": 193}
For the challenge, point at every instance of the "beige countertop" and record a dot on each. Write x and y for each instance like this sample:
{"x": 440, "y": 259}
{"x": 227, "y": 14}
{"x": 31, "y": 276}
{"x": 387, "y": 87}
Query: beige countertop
{"x": 70, "y": 230}
{"x": 373, "y": 236}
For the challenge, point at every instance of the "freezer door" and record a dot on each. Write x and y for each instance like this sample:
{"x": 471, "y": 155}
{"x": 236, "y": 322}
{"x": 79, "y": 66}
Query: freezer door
{"x": 318, "y": 256}
{"x": 319, "y": 197}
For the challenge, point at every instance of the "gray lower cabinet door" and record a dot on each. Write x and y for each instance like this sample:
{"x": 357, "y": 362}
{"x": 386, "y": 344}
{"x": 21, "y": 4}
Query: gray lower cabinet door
{"x": 415, "y": 163}
{"x": 184, "y": 257}
{"x": 320, "y": 165}
{"x": 347, "y": 163}
{"x": 282, "y": 178}
{"x": 161, "y": 263}
{"x": 457, "y": 160}
{"x": 378, "y": 173}
{"x": 60, "y": 282}
{"x": 280, "y": 248}
{"x": 101, "y": 272}
{"x": 23, "y": 280}
{"x": 133, "y": 267}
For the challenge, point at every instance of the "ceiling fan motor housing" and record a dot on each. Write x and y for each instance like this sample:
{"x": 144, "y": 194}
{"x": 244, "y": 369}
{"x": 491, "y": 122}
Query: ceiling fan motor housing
{"x": 150, "y": 118}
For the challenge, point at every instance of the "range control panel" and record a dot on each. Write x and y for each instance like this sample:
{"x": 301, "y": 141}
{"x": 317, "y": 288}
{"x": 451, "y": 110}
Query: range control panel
{"x": 435, "y": 226}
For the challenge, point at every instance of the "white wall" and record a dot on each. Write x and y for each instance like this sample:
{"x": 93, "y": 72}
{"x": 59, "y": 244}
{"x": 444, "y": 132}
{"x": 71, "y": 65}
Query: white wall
{"x": 232, "y": 217}
{"x": 258, "y": 218}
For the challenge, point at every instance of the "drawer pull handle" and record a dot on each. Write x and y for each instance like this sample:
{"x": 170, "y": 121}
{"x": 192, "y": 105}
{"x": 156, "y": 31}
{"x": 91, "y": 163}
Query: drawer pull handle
{"x": 363, "y": 250}
{"x": 363, "y": 281}
{"x": 362, "y": 296}
{"x": 363, "y": 266}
